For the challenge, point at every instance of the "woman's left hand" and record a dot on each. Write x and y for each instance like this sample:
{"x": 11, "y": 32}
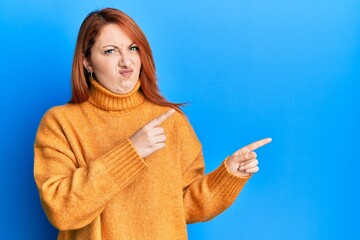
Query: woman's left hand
{"x": 243, "y": 162}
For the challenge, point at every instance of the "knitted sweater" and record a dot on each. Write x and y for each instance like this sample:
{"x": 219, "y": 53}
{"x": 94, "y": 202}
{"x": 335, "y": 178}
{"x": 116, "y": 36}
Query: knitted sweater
{"x": 94, "y": 185}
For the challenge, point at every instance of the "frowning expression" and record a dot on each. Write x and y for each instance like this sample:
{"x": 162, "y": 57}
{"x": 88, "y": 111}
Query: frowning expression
{"x": 114, "y": 60}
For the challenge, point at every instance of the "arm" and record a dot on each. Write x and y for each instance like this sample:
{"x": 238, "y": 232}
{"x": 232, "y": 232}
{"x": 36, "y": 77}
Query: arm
{"x": 74, "y": 196}
{"x": 207, "y": 196}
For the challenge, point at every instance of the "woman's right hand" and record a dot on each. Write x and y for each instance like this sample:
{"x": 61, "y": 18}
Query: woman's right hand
{"x": 150, "y": 137}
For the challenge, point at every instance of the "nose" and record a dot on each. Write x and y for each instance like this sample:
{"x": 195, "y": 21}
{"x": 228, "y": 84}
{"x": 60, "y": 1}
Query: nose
{"x": 125, "y": 60}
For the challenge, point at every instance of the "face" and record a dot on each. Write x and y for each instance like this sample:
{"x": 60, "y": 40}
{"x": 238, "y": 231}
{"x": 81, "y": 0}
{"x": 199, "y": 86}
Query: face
{"x": 114, "y": 60}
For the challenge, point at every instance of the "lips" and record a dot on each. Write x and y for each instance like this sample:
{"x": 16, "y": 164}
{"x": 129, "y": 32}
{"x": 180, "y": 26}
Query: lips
{"x": 126, "y": 72}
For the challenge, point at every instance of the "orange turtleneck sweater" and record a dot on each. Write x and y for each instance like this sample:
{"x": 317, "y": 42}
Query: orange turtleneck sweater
{"x": 93, "y": 185}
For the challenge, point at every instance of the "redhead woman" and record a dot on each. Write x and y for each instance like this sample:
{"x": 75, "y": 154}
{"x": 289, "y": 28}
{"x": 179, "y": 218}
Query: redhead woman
{"x": 119, "y": 161}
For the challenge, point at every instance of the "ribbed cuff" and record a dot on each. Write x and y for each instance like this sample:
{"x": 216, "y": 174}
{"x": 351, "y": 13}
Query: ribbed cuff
{"x": 225, "y": 184}
{"x": 124, "y": 163}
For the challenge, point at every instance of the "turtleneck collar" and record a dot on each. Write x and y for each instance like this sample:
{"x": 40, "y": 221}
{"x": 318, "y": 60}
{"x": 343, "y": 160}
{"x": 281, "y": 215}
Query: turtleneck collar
{"x": 109, "y": 101}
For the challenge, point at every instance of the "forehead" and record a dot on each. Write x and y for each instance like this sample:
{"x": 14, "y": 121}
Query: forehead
{"x": 113, "y": 34}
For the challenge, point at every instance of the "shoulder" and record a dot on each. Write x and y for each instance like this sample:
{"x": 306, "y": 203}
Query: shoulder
{"x": 55, "y": 118}
{"x": 57, "y": 113}
{"x": 179, "y": 118}
{"x": 184, "y": 131}
{"x": 178, "y": 122}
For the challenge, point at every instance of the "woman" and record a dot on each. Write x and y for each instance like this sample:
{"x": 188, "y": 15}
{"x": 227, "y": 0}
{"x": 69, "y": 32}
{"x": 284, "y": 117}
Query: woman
{"x": 119, "y": 161}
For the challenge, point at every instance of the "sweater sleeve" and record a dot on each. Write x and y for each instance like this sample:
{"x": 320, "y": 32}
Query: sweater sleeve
{"x": 205, "y": 196}
{"x": 74, "y": 196}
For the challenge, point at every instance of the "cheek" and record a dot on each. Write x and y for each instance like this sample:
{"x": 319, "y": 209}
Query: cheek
{"x": 105, "y": 65}
{"x": 138, "y": 64}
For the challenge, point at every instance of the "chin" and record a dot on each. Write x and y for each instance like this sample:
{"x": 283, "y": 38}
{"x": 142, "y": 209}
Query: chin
{"x": 125, "y": 88}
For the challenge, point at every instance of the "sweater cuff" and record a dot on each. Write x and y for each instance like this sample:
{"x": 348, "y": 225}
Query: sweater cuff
{"x": 225, "y": 184}
{"x": 124, "y": 163}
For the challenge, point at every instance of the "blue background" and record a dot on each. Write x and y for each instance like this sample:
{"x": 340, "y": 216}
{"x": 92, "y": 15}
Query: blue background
{"x": 249, "y": 69}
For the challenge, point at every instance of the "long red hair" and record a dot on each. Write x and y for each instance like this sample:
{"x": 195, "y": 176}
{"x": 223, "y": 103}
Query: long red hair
{"x": 89, "y": 31}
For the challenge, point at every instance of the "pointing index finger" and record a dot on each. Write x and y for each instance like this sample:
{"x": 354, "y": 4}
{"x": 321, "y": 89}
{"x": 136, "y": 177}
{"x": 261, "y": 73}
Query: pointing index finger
{"x": 255, "y": 145}
{"x": 157, "y": 121}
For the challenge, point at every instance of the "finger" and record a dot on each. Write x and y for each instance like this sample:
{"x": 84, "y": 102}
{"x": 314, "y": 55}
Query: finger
{"x": 243, "y": 158}
{"x": 157, "y": 131}
{"x": 248, "y": 164}
{"x": 251, "y": 164}
{"x": 252, "y": 170}
{"x": 160, "y": 139}
{"x": 157, "y": 121}
{"x": 255, "y": 145}
{"x": 158, "y": 146}
{"x": 245, "y": 162}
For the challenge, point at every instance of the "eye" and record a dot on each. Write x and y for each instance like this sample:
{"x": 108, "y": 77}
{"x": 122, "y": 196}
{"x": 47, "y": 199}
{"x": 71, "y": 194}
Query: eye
{"x": 134, "y": 48}
{"x": 109, "y": 51}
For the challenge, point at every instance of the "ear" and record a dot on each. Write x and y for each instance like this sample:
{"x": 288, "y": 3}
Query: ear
{"x": 87, "y": 64}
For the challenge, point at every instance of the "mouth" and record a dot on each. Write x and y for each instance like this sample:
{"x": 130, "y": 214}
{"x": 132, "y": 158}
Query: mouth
{"x": 126, "y": 72}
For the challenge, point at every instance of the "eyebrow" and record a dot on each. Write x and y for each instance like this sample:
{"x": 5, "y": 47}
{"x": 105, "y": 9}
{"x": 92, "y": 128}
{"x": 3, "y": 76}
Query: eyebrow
{"x": 133, "y": 43}
{"x": 110, "y": 46}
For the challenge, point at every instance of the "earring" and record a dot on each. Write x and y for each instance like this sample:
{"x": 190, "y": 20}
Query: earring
{"x": 90, "y": 73}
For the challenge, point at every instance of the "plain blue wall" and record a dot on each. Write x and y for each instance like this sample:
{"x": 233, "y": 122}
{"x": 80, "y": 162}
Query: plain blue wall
{"x": 249, "y": 69}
